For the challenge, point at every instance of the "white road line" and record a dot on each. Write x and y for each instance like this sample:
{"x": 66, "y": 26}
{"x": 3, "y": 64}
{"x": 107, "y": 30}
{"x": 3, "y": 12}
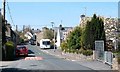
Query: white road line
{"x": 73, "y": 60}
{"x": 33, "y": 58}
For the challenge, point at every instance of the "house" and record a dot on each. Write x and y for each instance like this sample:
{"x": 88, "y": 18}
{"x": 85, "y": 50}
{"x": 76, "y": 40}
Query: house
{"x": 0, "y": 28}
{"x": 62, "y": 33}
{"x": 11, "y": 35}
{"x": 35, "y": 31}
{"x": 111, "y": 30}
{"x": 83, "y": 20}
{"x": 8, "y": 31}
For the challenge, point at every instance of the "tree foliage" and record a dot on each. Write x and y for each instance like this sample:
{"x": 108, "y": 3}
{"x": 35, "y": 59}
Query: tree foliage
{"x": 48, "y": 34}
{"x": 74, "y": 39}
{"x": 64, "y": 46}
{"x": 94, "y": 30}
{"x": 9, "y": 50}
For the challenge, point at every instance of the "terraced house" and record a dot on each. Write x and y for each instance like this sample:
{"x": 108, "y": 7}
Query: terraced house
{"x": 111, "y": 30}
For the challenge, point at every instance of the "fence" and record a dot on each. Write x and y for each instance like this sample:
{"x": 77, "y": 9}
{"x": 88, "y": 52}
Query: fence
{"x": 108, "y": 57}
{"x": 104, "y": 56}
{"x": 99, "y": 55}
{"x": 99, "y": 50}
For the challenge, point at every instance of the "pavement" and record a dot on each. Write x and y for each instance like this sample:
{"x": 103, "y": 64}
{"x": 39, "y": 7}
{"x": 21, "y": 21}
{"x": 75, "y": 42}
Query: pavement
{"x": 93, "y": 64}
{"x": 5, "y": 63}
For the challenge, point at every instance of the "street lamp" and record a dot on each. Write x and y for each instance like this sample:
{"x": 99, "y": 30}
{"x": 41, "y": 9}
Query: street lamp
{"x": 53, "y": 24}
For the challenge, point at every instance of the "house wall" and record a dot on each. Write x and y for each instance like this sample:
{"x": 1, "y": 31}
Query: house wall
{"x": 1, "y": 37}
{"x": 8, "y": 32}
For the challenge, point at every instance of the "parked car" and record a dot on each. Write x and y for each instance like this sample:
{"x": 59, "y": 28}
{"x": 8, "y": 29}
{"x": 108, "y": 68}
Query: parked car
{"x": 33, "y": 42}
{"x": 21, "y": 50}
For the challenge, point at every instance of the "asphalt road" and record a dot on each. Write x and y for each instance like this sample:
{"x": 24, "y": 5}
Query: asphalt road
{"x": 40, "y": 61}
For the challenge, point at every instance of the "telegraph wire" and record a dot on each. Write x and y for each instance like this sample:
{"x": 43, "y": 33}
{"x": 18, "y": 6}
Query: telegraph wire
{"x": 10, "y": 14}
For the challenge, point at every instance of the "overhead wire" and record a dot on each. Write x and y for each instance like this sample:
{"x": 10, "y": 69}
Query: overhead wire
{"x": 9, "y": 11}
{"x": 10, "y": 14}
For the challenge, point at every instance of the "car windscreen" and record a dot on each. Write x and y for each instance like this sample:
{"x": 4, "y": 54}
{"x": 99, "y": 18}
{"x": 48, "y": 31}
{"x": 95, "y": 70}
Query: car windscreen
{"x": 46, "y": 42}
{"x": 22, "y": 47}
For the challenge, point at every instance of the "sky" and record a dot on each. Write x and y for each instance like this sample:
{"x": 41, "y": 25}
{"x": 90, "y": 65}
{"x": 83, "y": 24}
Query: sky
{"x": 40, "y": 14}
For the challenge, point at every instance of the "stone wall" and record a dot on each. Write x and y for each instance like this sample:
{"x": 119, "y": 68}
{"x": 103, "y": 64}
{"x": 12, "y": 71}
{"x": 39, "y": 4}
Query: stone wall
{"x": 75, "y": 56}
{"x": 115, "y": 64}
{"x": 119, "y": 67}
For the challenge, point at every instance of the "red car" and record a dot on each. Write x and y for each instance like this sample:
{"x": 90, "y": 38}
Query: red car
{"x": 21, "y": 50}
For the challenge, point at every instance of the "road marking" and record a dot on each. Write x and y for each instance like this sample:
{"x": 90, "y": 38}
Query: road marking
{"x": 33, "y": 58}
{"x": 73, "y": 60}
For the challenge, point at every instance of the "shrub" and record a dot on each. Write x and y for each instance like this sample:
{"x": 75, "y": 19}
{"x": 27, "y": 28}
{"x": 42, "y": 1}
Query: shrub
{"x": 64, "y": 46}
{"x": 21, "y": 40}
{"x": 118, "y": 56}
{"x": 72, "y": 51}
{"x": 81, "y": 51}
{"x": 87, "y": 52}
{"x": 118, "y": 60}
{"x": 69, "y": 51}
{"x": 77, "y": 51}
{"x": 116, "y": 52}
{"x": 9, "y": 50}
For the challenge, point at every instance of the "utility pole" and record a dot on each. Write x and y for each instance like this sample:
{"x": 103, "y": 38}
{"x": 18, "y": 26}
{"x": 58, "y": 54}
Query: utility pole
{"x": 3, "y": 31}
{"x": 16, "y": 28}
{"x": 29, "y": 28}
{"x": 85, "y": 10}
{"x": 54, "y": 34}
{"x": 3, "y": 11}
{"x": 3, "y": 23}
{"x": 23, "y": 30}
{"x": 61, "y": 22}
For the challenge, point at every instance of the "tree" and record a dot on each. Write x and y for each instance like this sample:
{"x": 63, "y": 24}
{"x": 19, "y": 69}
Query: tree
{"x": 74, "y": 40}
{"x": 86, "y": 36}
{"x": 94, "y": 30}
{"x": 48, "y": 34}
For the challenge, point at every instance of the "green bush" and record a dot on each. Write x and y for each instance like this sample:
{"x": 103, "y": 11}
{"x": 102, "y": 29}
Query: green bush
{"x": 9, "y": 50}
{"x": 68, "y": 50}
{"x": 21, "y": 40}
{"x": 116, "y": 52}
{"x": 87, "y": 52}
{"x": 118, "y": 60}
{"x": 77, "y": 51}
{"x": 81, "y": 51}
{"x": 64, "y": 46}
{"x": 73, "y": 51}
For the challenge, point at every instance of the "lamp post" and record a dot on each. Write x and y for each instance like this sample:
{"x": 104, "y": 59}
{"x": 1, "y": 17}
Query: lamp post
{"x": 53, "y": 24}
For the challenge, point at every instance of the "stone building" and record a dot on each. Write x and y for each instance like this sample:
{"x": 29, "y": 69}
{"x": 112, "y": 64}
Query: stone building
{"x": 83, "y": 20}
{"x": 111, "y": 30}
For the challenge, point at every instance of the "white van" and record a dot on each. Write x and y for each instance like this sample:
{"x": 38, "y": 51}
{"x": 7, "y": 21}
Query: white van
{"x": 45, "y": 43}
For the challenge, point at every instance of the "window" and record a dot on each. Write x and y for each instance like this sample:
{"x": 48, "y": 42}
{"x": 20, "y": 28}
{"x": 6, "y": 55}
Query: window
{"x": 46, "y": 42}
